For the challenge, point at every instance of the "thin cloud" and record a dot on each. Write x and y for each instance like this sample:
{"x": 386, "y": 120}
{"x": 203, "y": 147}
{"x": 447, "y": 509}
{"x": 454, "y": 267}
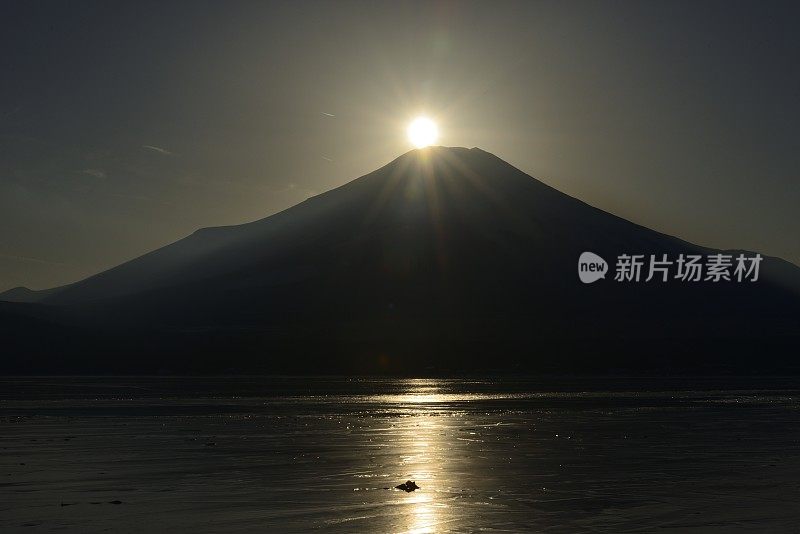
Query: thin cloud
{"x": 140, "y": 198}
{"x": 97, "y": 173}
{"x": 157, "y": 149}
{"x": 328, "y": 114}
{"x": 31, "y": 260}
{"x": 12, "y": 111}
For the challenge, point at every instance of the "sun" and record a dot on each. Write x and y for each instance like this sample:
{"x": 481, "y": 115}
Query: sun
{"x": 422, "y": 132}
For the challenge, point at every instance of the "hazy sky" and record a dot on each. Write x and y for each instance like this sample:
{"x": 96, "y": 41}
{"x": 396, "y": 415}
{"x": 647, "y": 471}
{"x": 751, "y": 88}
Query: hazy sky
{"x": 126, "y": 127}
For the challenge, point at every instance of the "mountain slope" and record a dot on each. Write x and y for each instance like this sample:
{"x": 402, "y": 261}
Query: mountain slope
{"x": 444, "y": 258}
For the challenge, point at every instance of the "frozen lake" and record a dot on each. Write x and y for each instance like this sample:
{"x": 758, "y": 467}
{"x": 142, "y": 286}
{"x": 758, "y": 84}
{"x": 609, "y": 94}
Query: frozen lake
{"x": 269, "y": 454}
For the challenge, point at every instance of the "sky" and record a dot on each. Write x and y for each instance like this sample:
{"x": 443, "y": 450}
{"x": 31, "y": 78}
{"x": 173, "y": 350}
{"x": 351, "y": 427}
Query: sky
{"x": 127, "y": 126}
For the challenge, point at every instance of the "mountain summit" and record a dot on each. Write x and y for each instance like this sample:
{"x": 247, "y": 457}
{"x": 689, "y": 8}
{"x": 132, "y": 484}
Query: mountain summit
{"x": 444, "y": 259}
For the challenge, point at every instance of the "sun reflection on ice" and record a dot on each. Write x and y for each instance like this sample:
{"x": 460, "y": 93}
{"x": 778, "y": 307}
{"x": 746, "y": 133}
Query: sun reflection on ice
{"x": 422, "y": 441}
{"x": 423, "y": 514}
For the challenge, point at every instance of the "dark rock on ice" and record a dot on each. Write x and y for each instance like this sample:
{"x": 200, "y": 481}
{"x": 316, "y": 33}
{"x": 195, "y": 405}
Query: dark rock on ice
{"x": 409, "y": 485}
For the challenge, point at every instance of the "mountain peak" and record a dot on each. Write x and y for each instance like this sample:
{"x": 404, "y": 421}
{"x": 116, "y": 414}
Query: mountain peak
{"x": 452, "y": 164}
{"x": 441, "y": 151}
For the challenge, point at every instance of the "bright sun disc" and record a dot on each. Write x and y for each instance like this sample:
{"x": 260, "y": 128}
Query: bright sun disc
{"x": 422, "y": 132}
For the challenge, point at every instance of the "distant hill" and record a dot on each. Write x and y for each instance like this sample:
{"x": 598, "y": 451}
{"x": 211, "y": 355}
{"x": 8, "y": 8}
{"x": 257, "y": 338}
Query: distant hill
{"x": 23, "y": 294}
{"x": 20, "y": 294}
{"x": 444, "y": 260}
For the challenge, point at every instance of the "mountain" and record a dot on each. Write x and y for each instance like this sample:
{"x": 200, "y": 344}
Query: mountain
{"x": 446, "y": 259}
{"x": 23, "y": 294}
{"x": 20, "y": 294}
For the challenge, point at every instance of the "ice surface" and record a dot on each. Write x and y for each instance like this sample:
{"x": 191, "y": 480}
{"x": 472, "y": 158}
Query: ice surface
{"x": 269, "y": 454}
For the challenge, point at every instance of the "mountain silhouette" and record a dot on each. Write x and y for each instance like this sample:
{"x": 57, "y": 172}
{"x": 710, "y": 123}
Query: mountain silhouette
{"x": 444, "y": 260}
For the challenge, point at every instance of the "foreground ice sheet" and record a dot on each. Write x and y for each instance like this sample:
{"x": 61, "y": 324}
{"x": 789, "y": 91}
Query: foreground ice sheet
{"x": 297, "y": 455}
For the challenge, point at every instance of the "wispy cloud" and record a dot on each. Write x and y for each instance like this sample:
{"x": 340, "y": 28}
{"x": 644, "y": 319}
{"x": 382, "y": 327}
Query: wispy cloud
{"x": 328, "y": 114}
{"x": 157, "y": 149}
{"x": 12, "y": 111}
{"x": 140, "y": 198}
{"x": 97, "y": 173}
{"x": 30, "y": 260}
